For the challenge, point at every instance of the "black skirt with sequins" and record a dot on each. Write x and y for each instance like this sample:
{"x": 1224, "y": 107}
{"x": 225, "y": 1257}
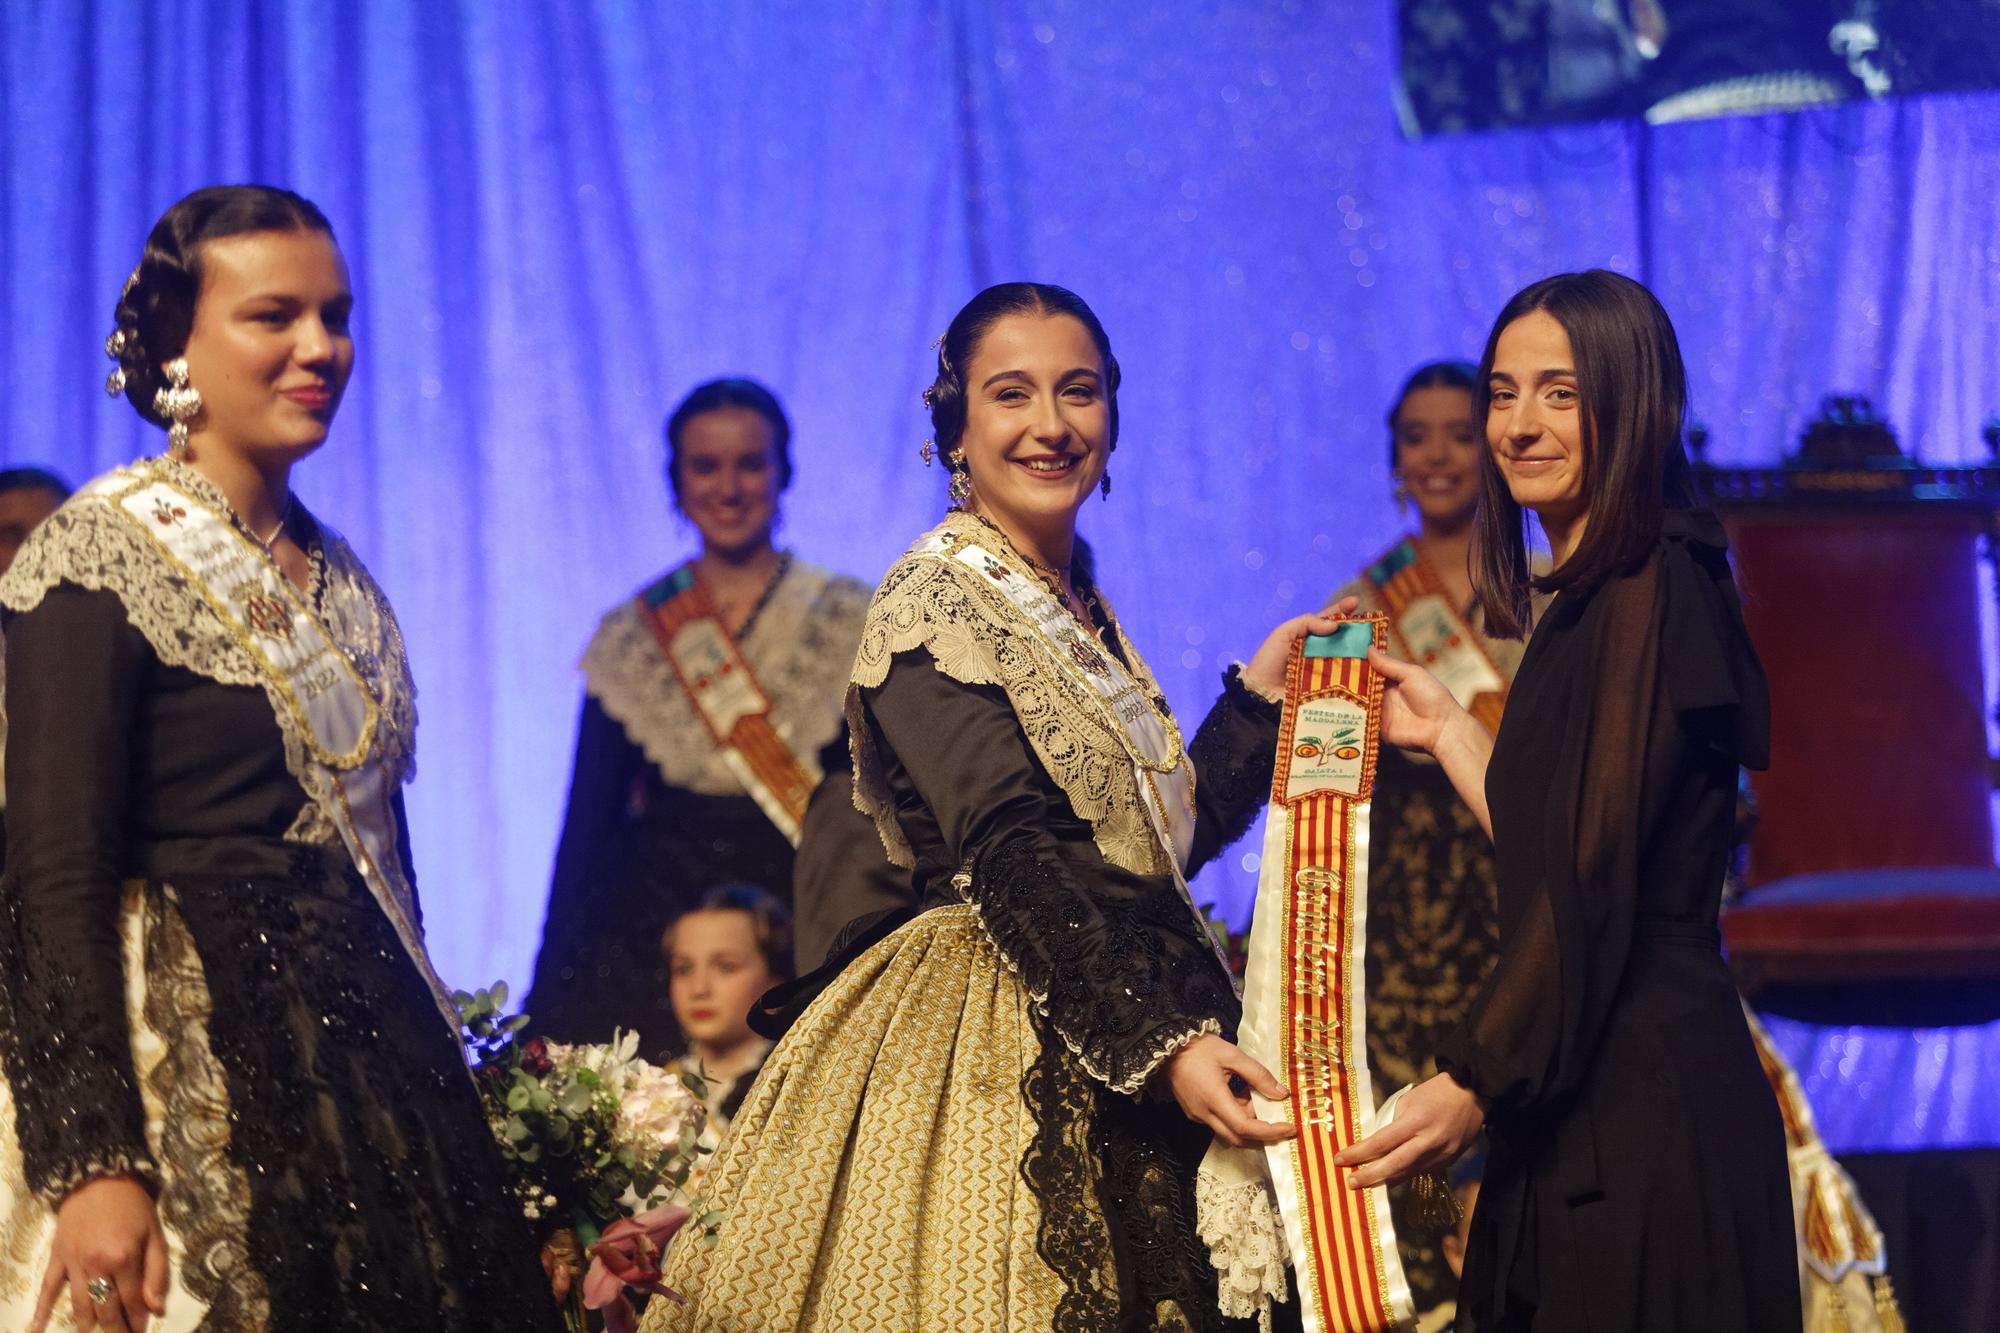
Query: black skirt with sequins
{"x": 322, "y": 1156}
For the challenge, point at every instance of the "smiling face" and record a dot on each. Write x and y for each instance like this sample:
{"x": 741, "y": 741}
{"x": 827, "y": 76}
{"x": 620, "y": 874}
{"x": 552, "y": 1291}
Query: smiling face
{"x": 1535, "y": 419}
{"x": 1037, "y": 425}
{"x": 269, "y": 350}
{"x": 716, "y": 972}
{"x": 1437, "y": 454}
{"x": 726, "y": 479}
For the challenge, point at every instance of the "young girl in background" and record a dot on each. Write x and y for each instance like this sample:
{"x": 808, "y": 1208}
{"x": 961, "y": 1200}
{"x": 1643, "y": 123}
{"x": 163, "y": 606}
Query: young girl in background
{"x": 730, "y": 949}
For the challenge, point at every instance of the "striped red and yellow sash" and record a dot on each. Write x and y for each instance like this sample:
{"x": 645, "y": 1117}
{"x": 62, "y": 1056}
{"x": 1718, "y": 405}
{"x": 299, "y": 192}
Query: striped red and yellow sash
{"x": 727, "y": 697}
{"x": 1306, "y": 1001}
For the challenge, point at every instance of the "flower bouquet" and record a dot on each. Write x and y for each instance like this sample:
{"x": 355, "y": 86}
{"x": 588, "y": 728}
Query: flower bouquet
{"x": 600, "y": 1145}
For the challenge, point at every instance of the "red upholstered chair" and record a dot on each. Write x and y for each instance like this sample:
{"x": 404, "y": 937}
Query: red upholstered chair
{"x": 1872, "y": 891}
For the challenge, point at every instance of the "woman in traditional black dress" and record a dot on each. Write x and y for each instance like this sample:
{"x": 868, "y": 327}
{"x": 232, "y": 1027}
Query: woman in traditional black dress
{"x": 1636, "y": 1173}
{"x": 234, "y": 1096}
{"x": 662, "y": 809}
{"x": 989, "y": 1112}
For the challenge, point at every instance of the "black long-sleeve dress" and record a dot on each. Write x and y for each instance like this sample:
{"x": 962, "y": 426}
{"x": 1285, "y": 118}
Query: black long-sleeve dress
{"x": 1636, "y": 1176}
{"x": 963, "y": 1128}
{"x": 198, "y": 990}
{"x": 655, "y": 818}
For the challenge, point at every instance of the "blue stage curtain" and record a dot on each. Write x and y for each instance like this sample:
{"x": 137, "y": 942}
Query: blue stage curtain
{"x": 561, "y": 216}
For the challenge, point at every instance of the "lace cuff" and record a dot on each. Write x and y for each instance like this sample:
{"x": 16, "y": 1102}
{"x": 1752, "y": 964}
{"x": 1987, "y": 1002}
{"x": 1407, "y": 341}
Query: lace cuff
{"x": 138, "y": 1165}
{"x": 1242, "y": 694}
{"x": 1116, "y": 973}
{"x": 1238, "y": 1220}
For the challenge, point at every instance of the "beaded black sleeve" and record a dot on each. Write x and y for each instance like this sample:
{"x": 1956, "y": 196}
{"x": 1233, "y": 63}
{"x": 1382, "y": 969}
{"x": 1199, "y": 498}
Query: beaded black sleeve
{"x": 1116, "y": 967}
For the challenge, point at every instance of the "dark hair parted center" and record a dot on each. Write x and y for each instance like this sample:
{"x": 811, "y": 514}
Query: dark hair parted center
{"x": 1633, "y": 389}
{"x": 1433, "y": 375}
{"x": 733, "y": 391}
{"x": 155, "y": 312}
{"x": 946, "y": 396}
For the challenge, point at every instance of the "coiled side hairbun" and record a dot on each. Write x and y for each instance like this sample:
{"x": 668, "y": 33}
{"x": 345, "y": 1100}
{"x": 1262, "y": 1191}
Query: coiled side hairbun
{"x": 155, "y": 309}
{"x": 946, "y": 396}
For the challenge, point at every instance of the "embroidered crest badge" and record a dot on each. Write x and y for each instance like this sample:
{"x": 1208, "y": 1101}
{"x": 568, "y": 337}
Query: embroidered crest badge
{"x": 268, "y": 616}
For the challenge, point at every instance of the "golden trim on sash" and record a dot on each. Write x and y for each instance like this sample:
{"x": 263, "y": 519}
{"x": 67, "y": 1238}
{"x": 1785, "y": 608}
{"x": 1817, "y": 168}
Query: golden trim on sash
{"x": 1151, "y": 740}
{"x": 263, "y": 611}
{"x": 724, "y": 690}
{"x": 1305, "y": 987}
{"x": 309, "y": 673}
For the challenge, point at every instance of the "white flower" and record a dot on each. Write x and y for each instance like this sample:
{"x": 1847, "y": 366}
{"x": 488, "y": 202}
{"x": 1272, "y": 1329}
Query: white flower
{"x": 654, "y": 1107}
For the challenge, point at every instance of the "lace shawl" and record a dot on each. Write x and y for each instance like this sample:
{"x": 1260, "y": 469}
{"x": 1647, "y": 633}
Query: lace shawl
{"x": 978, "y": 638}
{"x": 87, "y": 543}
{"x": 800, "y": 647}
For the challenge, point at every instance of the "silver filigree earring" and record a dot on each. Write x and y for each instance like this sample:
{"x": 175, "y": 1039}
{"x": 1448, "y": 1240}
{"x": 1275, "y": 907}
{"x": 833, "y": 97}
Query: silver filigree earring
{"x": 179, "y": 402}
{"x": 114, "y": 347}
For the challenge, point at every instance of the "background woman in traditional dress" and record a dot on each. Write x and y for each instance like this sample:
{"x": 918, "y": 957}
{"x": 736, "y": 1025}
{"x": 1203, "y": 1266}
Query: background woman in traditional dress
{"x": 990, "y": 1117}
{"x": 656, "y": 813}
{"x": 1432, "y": 928}
{"x": 1636, "y": 1170}
{"x": 232, "y": 1096}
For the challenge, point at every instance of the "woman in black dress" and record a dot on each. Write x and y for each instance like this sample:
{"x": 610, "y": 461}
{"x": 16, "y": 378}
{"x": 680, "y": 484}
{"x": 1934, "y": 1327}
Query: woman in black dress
{"x": 1636, "y": 1174}
{"x": 233, "y": 1094}
{"x": 659, "y": 811}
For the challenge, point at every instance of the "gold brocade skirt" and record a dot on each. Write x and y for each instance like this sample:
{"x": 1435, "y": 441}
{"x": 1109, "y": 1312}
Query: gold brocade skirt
{"x": 872, "y": 1181}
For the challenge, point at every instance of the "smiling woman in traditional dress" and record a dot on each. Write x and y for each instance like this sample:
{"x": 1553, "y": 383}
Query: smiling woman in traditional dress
{"x": 1636, "y": 1174}
{"x": 708, "y": 700}
{"x": 234, "y": 1092}
{"x": 991, "y": 1116}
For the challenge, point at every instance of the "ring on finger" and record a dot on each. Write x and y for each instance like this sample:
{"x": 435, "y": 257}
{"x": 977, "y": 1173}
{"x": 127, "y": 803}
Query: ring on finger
{"x": 99, "y": 1289}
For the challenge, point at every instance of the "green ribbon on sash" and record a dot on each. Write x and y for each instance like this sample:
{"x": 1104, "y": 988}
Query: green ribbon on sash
{"x": 1352, "y": 638}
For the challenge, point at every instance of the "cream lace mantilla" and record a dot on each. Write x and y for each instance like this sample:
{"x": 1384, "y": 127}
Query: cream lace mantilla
{"x": 89, "y": 544}
{"x": 975, "y": 635}
{"x": 800, "y": 646}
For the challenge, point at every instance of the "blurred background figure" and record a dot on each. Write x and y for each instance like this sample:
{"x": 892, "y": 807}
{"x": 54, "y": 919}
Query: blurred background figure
{"x": 1432, "y": 929}
{"x": 721, "y": 955}
{"x": 27, "y": 496}
{"x": 671, "y": 795}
